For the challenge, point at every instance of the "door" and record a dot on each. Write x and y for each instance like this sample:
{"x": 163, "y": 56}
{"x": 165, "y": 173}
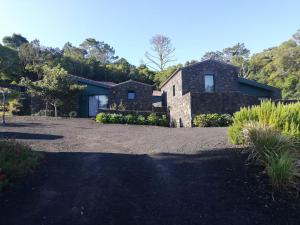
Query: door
{"x": 93, "y": 105}
{"x": 97, "y": 102}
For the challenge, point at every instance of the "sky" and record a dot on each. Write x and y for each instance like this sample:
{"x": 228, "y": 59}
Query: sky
{"x": 194, "y": 26}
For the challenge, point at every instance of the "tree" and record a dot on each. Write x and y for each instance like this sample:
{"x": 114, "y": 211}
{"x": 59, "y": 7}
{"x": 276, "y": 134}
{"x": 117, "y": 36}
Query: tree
{"x": 14, "y": 41}
{"x": 279, "y": 67}
{"x": 237, "y": 50}
{"x": 213, "y": 55}
{"x": 162, "y": 52}
{"x": 237, "y": 55}
{"x": 296, "y": 37}
{"x": 100, "y": 51}
{"x": 162, "y": 76}
{"x": 9, "y": 65}
{"x": 55, "y": 88}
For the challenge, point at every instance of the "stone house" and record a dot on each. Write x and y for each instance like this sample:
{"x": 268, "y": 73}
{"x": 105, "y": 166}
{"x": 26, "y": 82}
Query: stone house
{"x": 210, "y": 87}
{"x": 133, "y": 95}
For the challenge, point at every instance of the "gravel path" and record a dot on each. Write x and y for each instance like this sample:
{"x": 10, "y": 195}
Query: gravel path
{"x": 84, "y": 135}
{"x": 79, "y": 183}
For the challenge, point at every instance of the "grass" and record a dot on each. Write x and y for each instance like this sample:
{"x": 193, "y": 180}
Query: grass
{"x": 275, "y": 151}
{"x": 16, "y": 160}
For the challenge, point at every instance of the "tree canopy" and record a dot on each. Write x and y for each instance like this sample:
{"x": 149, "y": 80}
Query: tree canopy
{"x": 278, "y": 66}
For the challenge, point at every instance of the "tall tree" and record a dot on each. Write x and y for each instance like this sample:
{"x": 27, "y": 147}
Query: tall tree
{"x": 162, "y": 52}
{"x": 98, "y": 50}
{"x": 213, "y": 55}
{"x": 237, "y": 55}
{"x": 14, "y": 41}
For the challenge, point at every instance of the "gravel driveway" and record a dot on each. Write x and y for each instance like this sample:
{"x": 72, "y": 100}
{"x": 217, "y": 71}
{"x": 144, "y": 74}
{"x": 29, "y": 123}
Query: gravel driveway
{"x": 80, "y": 183}
{"x": 84, "y": 135}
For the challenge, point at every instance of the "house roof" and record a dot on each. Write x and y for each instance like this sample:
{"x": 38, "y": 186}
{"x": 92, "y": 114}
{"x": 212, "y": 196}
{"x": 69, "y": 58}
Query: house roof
{"x": 256, "y": 84}
{"x": 193, "y": 65}
{"x": 133, "y": 81}
{"x": 104, "y": 84}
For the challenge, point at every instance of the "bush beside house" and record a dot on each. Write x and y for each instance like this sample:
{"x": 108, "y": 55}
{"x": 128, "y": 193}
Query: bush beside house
{"x": 151, "y": 119}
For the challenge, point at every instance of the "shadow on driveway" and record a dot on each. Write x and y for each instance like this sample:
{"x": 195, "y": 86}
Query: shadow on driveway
{"x": 102, "y": 188}
{"x": 32, "y": 136}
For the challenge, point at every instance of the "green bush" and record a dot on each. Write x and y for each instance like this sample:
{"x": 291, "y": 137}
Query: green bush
{"x": 130, "y": 119}
{"x": 284, "y": 118}
{"x": 163, "y": 121}
{"x": 212, "y": 120}
{"x": 101, "y": 118}
{"x": 141, "y": 120}
{"x": 152, "y": 119}
{"x": 116, "y": 118}
{"x": 16, "y": 160}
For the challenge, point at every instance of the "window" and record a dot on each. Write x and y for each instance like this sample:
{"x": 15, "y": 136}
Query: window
{"x": 131, "y": 95}
{"x": 209, "y": 83}
{"x": 102, "y": 101}
{"x": 173, "y": 90}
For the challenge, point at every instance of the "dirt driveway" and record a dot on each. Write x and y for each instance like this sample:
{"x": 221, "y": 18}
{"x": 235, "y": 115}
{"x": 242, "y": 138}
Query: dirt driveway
{"x": 84, "y": 135}
{"x": 94, "y": 188}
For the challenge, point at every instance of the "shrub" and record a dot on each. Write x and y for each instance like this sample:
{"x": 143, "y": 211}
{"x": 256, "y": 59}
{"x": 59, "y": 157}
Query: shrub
{"x": 115, "y": 118}
{"x": 101, "y": 118}
{"x": 152, "y": 119}
{"x": 16, "y": 160}
{"x": 141, "y": 120}
{"x": 163, "y": 121}
{"x": 284, "y": 118}
{"x": 212, "y": 120}
{"x": 130, "y": 119}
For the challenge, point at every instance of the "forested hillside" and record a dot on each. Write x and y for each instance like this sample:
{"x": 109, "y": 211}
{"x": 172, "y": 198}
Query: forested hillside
{"x": 277, "y": 66}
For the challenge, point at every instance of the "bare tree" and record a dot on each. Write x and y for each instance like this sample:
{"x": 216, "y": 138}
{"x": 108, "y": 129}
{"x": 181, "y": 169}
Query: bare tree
{"x": 162, "y": 52}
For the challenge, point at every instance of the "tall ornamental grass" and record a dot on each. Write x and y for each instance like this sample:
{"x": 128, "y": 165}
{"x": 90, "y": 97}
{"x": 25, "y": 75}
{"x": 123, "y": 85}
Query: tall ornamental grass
{"x": 283, "y": 117}
{"x": 275, "y": 151}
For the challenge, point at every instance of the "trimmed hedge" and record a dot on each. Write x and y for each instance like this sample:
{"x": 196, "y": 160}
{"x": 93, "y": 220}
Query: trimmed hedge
{"x": 212, "y": 120}
{"x": 152, "y": 119}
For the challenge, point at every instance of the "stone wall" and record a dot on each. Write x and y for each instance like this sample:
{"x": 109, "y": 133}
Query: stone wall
{"x": 222, "y": 102}
{"x": 178, "y": 105}
{"x": 143, "y": 95}
{"x": 225, "y": 76}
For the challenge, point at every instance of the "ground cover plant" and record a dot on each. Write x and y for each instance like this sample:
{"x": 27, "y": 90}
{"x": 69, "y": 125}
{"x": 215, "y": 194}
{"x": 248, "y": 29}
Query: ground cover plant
{"x": 212, "y": 120}
{"x": 16, "y": 160}
{"x": 271, "y": 133}
{"x": 151, "y": 119}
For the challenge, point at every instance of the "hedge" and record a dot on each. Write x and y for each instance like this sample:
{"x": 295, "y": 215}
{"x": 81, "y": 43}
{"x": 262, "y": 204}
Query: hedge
{"x": 152, "y": 119}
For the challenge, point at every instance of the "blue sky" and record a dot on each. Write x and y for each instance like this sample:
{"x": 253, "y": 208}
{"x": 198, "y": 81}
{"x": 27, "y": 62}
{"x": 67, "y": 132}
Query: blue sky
{"x": 195, "y": 27}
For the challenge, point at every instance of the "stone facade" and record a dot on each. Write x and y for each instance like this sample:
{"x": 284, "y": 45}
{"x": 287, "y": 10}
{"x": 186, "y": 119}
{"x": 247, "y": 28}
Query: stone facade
{"x": 185, "y": 96}
{"x": 225, "y": 76}
{"x": 220, "y": 102}
{"x": 143, "y": 95}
